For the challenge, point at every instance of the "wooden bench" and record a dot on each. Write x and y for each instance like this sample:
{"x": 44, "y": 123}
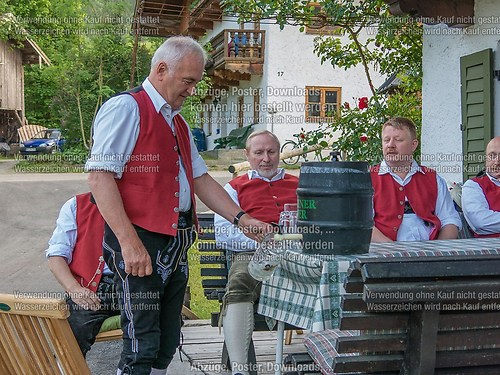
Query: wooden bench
{"x": 429, "y": 315}
{"x": 214, "y": 273}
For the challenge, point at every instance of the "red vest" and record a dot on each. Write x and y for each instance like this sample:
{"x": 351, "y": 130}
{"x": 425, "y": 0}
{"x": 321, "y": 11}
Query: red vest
{"x": 389, "y": 200}
{"x": 88, "y": 262}
{"x": 492, "y": 194}
{"x": 149, "y": 186}
{"x": 264, "y": 200}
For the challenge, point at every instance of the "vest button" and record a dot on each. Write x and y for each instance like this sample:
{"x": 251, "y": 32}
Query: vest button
{"x": 93, "y": 283}
{"x": 98, "y": 272}
{"x": 401, "y": 188}
{"x": 176, "y": 194}
{"x": 176, "y": 148}
{"x": 177, "y": 162}
{"x": 275, "y": 197}
{"x": 399, "y": 216}
{"x": 177, "y": 178}
{"x": 174, "y": 226}
{"x": 395, "y": 229}
{"x": 176, "y": 209}
{"x": 401, "y": 202}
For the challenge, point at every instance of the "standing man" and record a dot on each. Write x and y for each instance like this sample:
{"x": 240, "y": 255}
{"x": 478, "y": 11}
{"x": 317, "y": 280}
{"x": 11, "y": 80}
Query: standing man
{"x": 262, "y": 192}
{"x": 75, "y": 258}
{"x": 410, "y": 202}
{"x": 144, "y": 170}
{"x": 481, "y": 195}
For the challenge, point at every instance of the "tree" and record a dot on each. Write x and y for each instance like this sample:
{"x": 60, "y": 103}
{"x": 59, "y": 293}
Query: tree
{"x": 89, "y": 44}
{"x": 375, "y": 39}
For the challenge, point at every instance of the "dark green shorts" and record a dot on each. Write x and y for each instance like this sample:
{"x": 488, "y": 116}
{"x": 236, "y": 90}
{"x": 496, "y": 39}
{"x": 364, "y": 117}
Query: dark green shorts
{"x": 241, "y": 287}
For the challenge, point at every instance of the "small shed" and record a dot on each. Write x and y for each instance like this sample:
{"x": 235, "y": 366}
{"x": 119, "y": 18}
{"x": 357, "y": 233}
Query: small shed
{"x": 14, "y": 54}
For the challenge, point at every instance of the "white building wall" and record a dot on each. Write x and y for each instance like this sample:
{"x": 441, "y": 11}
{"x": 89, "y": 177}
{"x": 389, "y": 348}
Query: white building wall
{"x": 290, "y": 65}
{"x": 441, "y": 112}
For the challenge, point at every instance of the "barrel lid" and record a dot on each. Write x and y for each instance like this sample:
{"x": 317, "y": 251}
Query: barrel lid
{"x": 315, "y": 166}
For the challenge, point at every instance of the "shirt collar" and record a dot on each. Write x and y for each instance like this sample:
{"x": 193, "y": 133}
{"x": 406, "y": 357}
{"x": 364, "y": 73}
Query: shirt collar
{"x": 384, "y": 169}
{"x": 254, "y": 174}
{"x": 493, "y": 179}
{"x": 158, "y": 101}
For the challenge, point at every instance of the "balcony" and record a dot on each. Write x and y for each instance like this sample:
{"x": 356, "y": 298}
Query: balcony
{"x": 237, "y": 55}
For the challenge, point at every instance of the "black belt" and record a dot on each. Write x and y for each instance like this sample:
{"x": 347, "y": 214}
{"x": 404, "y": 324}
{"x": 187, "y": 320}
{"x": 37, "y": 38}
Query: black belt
{"x": 185, "y": 219}
{"x": 408, "y": 209}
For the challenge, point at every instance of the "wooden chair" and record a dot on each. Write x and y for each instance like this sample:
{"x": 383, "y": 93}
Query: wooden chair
{"x": 36, "y": 338}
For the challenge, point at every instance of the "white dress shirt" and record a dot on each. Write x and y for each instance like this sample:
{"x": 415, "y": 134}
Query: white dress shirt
{"x": 476, "y": 209}
{"x": 414, "y": 228}
{"x": 63, "y": 240}
{"x": 116, "y": 130}
{"x": 227, "y": 234}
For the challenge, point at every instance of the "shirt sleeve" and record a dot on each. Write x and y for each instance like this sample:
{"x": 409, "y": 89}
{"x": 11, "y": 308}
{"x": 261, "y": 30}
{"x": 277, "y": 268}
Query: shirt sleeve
{"x": 115, "y": 133}
{"x": 477, "y": 211}
{"x": 64, "y": 237}
{"x": 445, "y": 209}
{"x": 227, "y": 234}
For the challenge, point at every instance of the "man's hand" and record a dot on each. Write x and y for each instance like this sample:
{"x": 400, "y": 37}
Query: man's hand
{"x": 85, "y": 298}
{"x": 378, "y": 236}
{"x": 253, "y": 228}
{"x": 137, "y": 260}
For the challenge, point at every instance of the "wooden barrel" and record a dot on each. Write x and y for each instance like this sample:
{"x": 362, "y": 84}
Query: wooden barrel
{"x": 335, "y": 207}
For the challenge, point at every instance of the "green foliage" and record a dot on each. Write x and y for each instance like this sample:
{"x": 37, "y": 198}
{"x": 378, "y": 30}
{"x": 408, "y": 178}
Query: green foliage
{"x": 90, "y": 47}
{"x": 358, "y": 129}
{"x": 76, "y": 154}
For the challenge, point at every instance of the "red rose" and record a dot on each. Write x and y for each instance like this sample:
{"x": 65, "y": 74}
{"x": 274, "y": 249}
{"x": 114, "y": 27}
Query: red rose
{"x": 346, "y": 105}
{"x": 302, "y": 136}
{"x": 363, "y": 138}
{"x": 363, "y": 103}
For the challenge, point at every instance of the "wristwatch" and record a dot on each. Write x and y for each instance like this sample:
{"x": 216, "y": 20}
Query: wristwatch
{"x": 237, "y": 218}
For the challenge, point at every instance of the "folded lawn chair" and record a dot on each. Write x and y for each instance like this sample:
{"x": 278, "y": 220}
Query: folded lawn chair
{"x": 35, "y": 338}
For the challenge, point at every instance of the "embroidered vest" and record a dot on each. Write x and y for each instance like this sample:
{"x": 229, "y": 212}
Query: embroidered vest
{"x": 389, "y": 200}
{"x": 87, "y": 262}
{"x": 264, "y": 200}
{"x": 149, "y": 186}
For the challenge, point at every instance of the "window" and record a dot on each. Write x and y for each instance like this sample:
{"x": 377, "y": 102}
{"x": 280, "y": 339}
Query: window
{"x": 320, "y": 23}
{"x": 322, "y": 103}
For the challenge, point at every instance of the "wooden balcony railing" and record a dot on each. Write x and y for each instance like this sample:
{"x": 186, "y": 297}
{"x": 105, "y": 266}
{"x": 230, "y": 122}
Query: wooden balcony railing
{"x": 238, "y": 47}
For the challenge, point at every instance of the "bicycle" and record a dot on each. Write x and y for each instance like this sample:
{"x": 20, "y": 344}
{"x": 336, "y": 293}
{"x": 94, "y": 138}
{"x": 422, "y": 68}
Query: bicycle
{"x": 291, "y": 145}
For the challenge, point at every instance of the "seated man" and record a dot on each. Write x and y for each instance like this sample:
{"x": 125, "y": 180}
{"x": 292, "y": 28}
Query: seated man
{"x": 75, "y": 258}
{"x": 481, "y": 195}
{"x": 261, "y": 192}
{"x": 410, "y": 202}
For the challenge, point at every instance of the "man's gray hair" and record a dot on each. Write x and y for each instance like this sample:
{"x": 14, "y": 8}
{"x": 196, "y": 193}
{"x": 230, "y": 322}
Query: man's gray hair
{"x": 260, "y": 132}
{"x": 174, "y": 49}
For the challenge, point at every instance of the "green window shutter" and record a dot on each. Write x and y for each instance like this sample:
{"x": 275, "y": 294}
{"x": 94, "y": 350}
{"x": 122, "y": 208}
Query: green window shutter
{"x": 477, "y": 109}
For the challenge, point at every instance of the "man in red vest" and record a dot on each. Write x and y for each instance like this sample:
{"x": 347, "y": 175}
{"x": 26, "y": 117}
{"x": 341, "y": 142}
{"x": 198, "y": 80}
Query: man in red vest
{"x": 262, "y": 192}
{"x": 144, "y": 171}
{"x": 75, "y": 258}
{"x": 411, "y": 202}
{"x": 481, "y": 195}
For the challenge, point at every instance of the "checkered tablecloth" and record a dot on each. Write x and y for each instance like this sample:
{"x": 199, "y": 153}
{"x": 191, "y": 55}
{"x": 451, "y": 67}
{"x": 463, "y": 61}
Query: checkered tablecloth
{"x": 305, "y": 290}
